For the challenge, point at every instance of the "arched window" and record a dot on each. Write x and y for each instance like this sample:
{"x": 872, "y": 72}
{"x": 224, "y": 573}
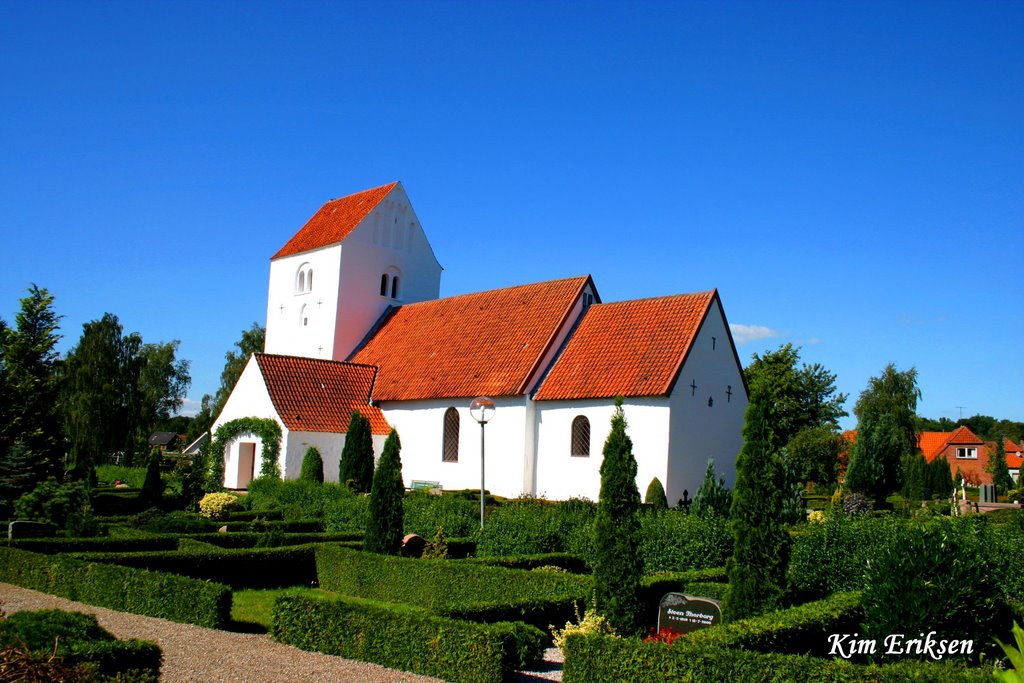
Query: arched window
{"x": 304, "y": 317}
{"x": 450, "y": 447}
{"x": 309, "y": 280}
{"x": 394, "y": 287}
{"x": 303, "y": 279}
{"x": 384, "y": 284}
{"x": 580, "y": 437}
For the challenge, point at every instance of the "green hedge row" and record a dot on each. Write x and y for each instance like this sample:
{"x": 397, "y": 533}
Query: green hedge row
{"x": 602, "y": 659}
{"x": 799, "y": 630}
{"x": 567, "y": 561}
{"x": 78, "y": 639}
{"x": 253, "y": 539}
{"x": 459, "y": 588}
{"x": 706, "y": 583}
{"x": 238, "y": 568}
{"x": 97, "y": 544}
{"x": 410, "y": 639}
{"x": 125, "y": 589}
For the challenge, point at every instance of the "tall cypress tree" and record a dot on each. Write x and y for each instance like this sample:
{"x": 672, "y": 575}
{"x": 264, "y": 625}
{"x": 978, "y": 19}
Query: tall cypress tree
{"x": 384, "y": 527}
{"x": 757, "y": 568}
{"x": 356, "y": 469}
{"x": 618, "y": 564}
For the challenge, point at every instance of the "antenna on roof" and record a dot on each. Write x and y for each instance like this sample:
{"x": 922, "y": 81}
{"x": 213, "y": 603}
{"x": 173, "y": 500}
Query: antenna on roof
{"x": 961, "y": 411}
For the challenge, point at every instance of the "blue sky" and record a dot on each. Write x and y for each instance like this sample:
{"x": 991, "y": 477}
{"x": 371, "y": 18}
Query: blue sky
{"x": 850, "y": 176}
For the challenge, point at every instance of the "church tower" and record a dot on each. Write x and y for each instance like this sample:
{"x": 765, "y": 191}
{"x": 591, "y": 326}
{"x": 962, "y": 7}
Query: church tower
{"x": 332, "y": 281}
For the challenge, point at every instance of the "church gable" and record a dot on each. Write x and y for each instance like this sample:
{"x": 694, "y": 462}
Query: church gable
{"x": 628, "y": 348}
{"x": 335, "y": 221}
{"x": 311, "y": 395}
{"x": 484, "y": 343}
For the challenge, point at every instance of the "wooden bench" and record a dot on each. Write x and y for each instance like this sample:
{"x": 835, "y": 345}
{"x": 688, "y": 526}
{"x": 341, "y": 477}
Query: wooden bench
{"x": 418, "y": 485}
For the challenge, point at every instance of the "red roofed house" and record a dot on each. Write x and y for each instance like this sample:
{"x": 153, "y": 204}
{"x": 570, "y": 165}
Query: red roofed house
{"x": 964, "y": 450}
{"x": 353, "y": 321}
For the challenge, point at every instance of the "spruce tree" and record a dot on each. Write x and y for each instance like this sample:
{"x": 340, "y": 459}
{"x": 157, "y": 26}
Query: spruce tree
{"x": 356, "y": 470}
{"x": 757, "y": 568}
{"x": 384, "y": 527}
{"x": 655, "y": 495}
{"x": 712, "y": 498}
{"x": 997, "y": 467}
{"x": 312, "y": 466}
{"x": 618, "y": 564}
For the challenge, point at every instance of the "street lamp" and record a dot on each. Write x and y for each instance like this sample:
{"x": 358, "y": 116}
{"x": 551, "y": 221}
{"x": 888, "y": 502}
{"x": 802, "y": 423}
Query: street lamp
{"x": 482, "y": 410}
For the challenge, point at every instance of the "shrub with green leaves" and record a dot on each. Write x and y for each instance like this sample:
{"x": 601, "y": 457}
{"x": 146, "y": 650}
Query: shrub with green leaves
{"x": 384, "y": 523}
{"x": 935, "y": 575}
{"x": 65, "y": 505}
{"x": 312, "y": 466}
{"x": 217, "y": 505}
{"x": 712, "y": 498}
{"x": 355, "y": 469}
{"x": 524, "y": 526}
{"x": 655, "y": 495}
{"x": 426, "y": 512}
{"x": 671, "y": 540}
{"x": 131, "y": 476}
{"x": 296, "y": 498}
{"x": 830, "y": 557}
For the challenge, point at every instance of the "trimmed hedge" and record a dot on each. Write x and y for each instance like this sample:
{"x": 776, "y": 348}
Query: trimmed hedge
{"x": 240, "y": 569}
{"x": 405, "y": 638}
{"x": 461, "y": 588}
{"x": 125, "y": 589}
{"x": 707, "y": 583}
{"x": 97, "y": 545}
{"x": 567, "y": 561}
{"x": 77, "y": 639}
{"x": 602, "y": 659}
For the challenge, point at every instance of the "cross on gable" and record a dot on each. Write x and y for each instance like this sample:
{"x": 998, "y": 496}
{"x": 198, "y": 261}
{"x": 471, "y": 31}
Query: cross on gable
{"x": 714, "y": 340}
{"x": 282, "y": 308}
{"x": 693, "y": 387}
{"x": 728, "y": 393}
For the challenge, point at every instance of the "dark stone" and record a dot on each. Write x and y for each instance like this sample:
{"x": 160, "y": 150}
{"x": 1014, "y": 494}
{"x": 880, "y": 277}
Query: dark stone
{"x": 413, "y": 545}
{"x": 684, "y": 613}
{"x": 23, "y": 529}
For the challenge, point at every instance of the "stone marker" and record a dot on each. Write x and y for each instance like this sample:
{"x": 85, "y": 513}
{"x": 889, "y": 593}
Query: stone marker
{"x": 22, "y": 529}
{"x": 684, "y": 613}
{"x": 413, "y": 545}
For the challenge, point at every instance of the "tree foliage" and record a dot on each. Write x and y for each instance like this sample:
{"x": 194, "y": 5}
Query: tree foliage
{"x": 115, "y": 389}
{"x": 757, "y": 568}
{"x": 356, "y": 467}
{"x": 803, "y": 396}
{"x": 29, "y": 385}
{"x": 384, "y": 528}
{"x": 655, "y": 495}
{"x": 252, "y": 341}
{"x": 618, "y": 563}
{"x": 152, "y": 485}
{"x": 997, "y": 467}
{"x": 312, "y": 466}
{"x": 886, "y": 432}
{"x": 814, "y": 453}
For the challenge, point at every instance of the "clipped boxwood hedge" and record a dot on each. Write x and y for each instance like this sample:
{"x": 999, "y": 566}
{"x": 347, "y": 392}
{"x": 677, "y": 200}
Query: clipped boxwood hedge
{"x": 602, "y": 659}
{"x": 99, "y": 544}
{"x": 567, "y": 561}
{"x": 469, "y": 590}
{"x": 77, "y": 639}
{"x": 239, "y": 569}
{"x": 406, "y": 638}
{"x": 125, "y": 589}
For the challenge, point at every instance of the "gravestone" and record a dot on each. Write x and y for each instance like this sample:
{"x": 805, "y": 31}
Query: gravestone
{"x": 988, "y": 493}
{"x": 23, "y": 529}
{"x": 681, "y": 613}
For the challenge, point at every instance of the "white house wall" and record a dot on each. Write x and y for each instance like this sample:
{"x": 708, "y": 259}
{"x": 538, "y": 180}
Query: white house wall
{"x": 420, "y": 426}
{"x": 286, "y": 335}
{"x": 330, "y": 446}
{"x": 561, "y": 476}
{"x": 699, "y": 431}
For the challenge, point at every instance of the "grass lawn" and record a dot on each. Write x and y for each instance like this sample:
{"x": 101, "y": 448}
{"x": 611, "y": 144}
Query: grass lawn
{"x": 250, "y": 609}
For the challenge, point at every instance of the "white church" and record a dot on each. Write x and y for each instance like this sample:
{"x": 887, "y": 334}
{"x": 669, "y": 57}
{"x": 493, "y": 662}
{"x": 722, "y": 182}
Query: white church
{"x": 354, "y": 322}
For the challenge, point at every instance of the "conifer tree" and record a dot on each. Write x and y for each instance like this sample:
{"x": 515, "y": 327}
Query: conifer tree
{"x": 357, "y": 455}
{"x": 618, "y": 564}
{"x": 757, "y": 568}
{"x": 152, "y": 485}
{"x": 655, "y": 495}
{"x": 940, "y": 478}
{"x": 997, "y": 467}
{"x": 312, "y": 466}
{"x": 712, "y": 498}
{"x": 384, "y": 526}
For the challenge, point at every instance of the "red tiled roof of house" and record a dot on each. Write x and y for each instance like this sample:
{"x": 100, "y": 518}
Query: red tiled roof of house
{"x": 487, "y": 343}
{"x": 1013, "y": 460}
{"x": 313, "y": 395}
{"x": 933, "y": 443}
{"x": 628, "y": 348}
{"x": 334, "y": 221}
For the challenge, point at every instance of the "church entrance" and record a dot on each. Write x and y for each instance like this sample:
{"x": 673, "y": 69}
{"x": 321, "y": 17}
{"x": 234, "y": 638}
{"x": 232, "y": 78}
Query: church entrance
{"x": 246, "y": 463}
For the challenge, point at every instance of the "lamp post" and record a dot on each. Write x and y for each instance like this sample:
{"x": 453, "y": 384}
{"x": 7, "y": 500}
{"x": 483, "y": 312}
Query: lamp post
{"x": 482, "y": 410}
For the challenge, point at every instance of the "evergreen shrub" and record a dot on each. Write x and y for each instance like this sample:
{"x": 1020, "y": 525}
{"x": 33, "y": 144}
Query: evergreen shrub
{"x": 405, "y": 638}
{"x": 831, "y": 557}
{"x": 125, "y": 589}
{"x": 655, "y": 495}
{"x": 426, "y": 512}
{"x": 524, "y": 526}
{"x": 355, "y": 468}
{"x": 312, "y": 466}
{"x": 296, "y": 498}
{"x": 133, "y": 477}
{"x": 77, "y": 639}
{"x": 65, "y": 505}
{"x": 384, "y": 522}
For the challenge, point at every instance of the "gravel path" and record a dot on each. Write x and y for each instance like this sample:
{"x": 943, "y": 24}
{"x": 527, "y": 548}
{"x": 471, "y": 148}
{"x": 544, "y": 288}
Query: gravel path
{"x": 203, "y": 655}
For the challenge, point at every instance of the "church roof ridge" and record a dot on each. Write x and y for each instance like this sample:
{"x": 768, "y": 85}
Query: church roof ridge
{"x": 335, "y": 220}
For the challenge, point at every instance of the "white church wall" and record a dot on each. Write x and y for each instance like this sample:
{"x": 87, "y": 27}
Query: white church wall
{"x": 561, "y": 475}
{"x": 420, "y": 426}
{"x": 301, "y": 322}
{"x": 330, "y": 447}
{"x": 700, "y": 431}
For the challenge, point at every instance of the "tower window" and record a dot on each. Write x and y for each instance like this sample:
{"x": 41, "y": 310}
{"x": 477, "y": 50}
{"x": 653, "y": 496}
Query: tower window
{"x": 394, "y": 287}
{"x": 580, "y": 437}
{"x": 304, "y": 279}
{"x": 384, "y": 284}
{"x": 304, "y": 317}
{"x": 450, "y": 445}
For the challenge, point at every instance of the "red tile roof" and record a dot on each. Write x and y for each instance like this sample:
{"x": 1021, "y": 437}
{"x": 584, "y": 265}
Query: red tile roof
{"x": 314, "y": 395}
{"x": 933, "y": 443}
{"x": 629, "y": 348}
{"x": 334, "y": 221}
{"x": 1013, "y": 460}
{"x": 488, "y": 343}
